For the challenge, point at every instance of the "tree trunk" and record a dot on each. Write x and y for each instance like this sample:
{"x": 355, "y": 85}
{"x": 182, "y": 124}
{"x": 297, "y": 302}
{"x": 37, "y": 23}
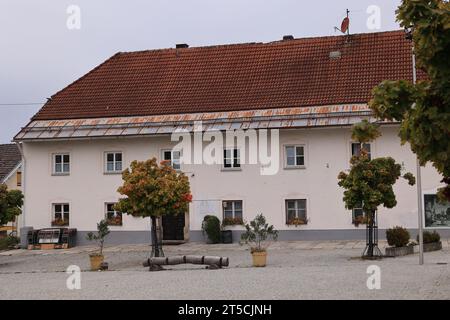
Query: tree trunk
{"x": 155, "y": 240}
{"x": 370, "y": 235}
{"x": 372, "y": 251}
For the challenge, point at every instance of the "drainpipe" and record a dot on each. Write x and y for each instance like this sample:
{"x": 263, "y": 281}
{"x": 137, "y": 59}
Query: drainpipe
{"x": 19, "y": 146}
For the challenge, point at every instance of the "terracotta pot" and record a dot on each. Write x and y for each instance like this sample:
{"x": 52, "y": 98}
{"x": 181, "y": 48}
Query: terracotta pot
{"x": 96, "y": 261}
{"x": 259, "y": 258}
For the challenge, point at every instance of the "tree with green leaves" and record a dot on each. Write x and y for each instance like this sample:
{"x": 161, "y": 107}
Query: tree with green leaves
{"x": 369, "y": 183}
{"x": 102, "y": 232}
{"x": 154, "y": 190}
{"x": 423, "y": 109}
{"x": 11, "y": 202}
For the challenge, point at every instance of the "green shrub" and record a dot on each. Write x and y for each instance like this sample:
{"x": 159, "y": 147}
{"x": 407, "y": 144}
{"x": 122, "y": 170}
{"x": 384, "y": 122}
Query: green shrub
{"x": 430, "y": 237}
{"x": 211, "y": 226}
{"x": 8, "y": 242}
{"x": 397, "y": 237}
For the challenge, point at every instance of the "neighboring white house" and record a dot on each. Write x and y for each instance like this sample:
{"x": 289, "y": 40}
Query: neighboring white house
{"x": 11, "y": 175}
{"x": 312, "y": 90}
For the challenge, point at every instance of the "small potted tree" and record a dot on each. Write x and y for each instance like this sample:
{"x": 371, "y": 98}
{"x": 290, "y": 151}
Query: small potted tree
{"x": 258, "y": 235}
{"x": 97, "y": 257}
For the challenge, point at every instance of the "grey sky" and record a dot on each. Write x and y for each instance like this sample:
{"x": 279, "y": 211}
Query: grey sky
{"x": 39, "y": 55}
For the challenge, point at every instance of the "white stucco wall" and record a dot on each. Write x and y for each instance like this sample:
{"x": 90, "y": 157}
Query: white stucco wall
{"x": 328, "y": 152}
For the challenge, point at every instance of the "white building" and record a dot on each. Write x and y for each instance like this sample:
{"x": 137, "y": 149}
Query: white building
{"x": 11, "y": 176}
{"x": 312, "y": 90}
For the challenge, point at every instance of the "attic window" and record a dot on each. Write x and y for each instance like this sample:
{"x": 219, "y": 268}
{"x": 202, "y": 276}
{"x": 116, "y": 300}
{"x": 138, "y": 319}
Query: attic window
{"x": 335, "y": 55}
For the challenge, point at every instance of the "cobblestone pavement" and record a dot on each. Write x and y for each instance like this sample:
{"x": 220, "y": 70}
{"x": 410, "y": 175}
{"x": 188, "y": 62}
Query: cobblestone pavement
{"x": 295, "y": 270}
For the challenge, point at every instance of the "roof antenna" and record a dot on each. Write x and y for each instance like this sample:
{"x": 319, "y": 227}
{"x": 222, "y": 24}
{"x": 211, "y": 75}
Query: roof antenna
{"x": 345, "y": 25}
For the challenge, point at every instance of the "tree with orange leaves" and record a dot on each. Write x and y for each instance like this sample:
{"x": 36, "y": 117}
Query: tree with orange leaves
{"x": 153, "y": 190}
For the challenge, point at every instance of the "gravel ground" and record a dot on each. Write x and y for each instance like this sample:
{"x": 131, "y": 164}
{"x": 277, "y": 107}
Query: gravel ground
{"x": 295, "y": 270}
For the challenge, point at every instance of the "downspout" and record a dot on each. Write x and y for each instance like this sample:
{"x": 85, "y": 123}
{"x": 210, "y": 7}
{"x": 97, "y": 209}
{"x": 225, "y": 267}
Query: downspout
{"x": 19, "y": 146}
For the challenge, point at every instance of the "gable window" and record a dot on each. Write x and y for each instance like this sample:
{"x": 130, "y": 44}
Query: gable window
{"x": 173, "y": 157}
{"x": 295, "y": 156}
{"x": 60, "y": 214}
{"x": 231, "y": 158}
{"x": 113, "y": 217}
{"x": 19, "y": 178}
{"x": 61, "y": 163}
{"x": 232, "y": 212}
{"x": 296, "y": 212}
{"x": 356, "y": 149}
{"x": 113, "y": 162}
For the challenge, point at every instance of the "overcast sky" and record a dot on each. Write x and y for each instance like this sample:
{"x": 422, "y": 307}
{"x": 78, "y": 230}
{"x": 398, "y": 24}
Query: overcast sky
{"x": 40, "y": 55}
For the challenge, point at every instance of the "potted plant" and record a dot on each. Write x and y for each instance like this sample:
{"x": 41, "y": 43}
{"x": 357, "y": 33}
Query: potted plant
{"x": 59, "y": 222}
{"x": 297, "y": 222}
{"x": 257, "y": 235}
{"x": 102, "y": 231}
{"x": 431, "y": 241}
{"x": 211, "y": 227}
{"x": 360, "y": 220}
{"x": 398, "y": 240}
{"x": 115, "y": 220}
{"x": 232, "y": 221}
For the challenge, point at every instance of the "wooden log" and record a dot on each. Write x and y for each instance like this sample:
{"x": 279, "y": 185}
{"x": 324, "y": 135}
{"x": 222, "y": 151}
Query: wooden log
{"x": 191, "y": 259}
{"x": 194, "y": 259}
{"x": 175, "y": 260}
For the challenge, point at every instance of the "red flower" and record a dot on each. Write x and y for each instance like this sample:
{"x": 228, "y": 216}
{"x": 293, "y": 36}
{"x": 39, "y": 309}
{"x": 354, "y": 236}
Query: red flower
{"x": 187, "y": 197}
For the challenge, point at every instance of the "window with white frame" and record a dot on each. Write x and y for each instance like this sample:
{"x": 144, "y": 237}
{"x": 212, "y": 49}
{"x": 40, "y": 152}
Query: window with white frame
{"x": 173, "y": 157}
{"x": 232, "y": 210}
{"x": 231, "y": 158}
{"x": 113, "y": 217}
{"x": 295, "y": 156}
{"x": 356, "y": 149}
{"x": 60, "y": 214}
{"x": 113, "y": 162}
{"x": 61, "y": 163}
{"x": 296, "y": 212}
{"x": 358, "y": 215}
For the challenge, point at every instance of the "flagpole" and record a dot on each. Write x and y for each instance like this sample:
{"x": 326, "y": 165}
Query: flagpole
{"x": 419, "y": 179}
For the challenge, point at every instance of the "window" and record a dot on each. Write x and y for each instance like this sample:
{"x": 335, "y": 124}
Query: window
{"x": 232, "y": 212}
{"x": 295, "y": 156}
{"x": 19, "y": 178}
{"x": 296, "y": 212}
{"x": 61, "y": 163}
{"x": 358, "y": 216}
{"x": 356, "y": 149}
{"x": 231, "y": 158}
{"x": 173, "y": 157}
{"x": 113, "y": 217}
{"x": 61, "y": 213}
{"x": 113, "y": 162}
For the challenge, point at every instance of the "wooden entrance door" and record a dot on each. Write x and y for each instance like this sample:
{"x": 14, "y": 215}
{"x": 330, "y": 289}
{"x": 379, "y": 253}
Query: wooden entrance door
{"x": 173, "y": 226}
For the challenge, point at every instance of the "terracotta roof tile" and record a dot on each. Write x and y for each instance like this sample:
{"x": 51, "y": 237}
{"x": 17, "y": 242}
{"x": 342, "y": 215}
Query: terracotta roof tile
{"x": 291, "y": 73}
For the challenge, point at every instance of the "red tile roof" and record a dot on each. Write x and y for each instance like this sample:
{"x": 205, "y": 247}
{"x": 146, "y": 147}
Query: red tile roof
{"x": 290, "y": 73}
